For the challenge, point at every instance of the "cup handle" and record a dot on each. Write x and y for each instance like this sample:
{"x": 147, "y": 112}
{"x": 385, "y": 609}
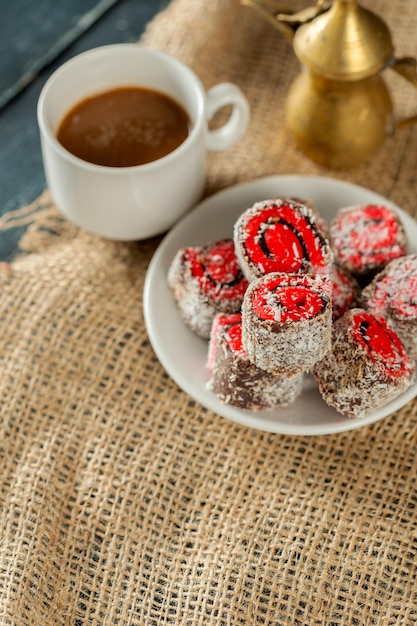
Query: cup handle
{"x": 232, "y": 131}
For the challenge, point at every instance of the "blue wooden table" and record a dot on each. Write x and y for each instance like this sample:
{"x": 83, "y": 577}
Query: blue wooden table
{"x": 35, "y": 38}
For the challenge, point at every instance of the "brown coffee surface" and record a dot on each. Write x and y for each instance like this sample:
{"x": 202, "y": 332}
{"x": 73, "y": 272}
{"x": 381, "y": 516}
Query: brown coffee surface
{"x": 124, "y": 127}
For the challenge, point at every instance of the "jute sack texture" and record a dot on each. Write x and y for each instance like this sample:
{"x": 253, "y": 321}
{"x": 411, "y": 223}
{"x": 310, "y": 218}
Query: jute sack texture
{"x": 123, "y": 501}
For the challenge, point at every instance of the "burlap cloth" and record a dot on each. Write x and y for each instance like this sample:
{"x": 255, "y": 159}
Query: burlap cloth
{"x": 123, "y": 501}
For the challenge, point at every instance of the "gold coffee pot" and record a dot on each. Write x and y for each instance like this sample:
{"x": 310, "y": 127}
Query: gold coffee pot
{"x": 339, "y": 109}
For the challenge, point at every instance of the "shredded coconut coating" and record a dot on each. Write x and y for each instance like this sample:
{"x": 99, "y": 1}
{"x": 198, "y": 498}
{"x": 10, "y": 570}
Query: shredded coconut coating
{"x": 366, "y": 237}
{"x": 197, "y": 306}
{"x": 238, "y": 382}
{"x": 393, "y": 294}
{"x": 350, "y": 380}
{"x": 293, "y": 345}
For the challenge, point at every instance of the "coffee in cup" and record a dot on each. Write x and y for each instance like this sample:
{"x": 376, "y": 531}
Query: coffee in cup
{"x": 123, "y": 127}
{"x": 129, "y": 200}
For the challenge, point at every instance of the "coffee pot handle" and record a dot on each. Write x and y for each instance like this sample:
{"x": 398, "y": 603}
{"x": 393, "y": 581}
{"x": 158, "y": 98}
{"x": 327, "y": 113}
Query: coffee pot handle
{"x": 407, "y": 68}
{"x": 287, "y": 23}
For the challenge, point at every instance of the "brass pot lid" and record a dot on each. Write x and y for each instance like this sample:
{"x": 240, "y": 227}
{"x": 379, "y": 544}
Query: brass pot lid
{"x": 348, "y": 42}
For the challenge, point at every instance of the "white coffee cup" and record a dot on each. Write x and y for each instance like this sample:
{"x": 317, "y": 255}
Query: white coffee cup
{"x": 129, "y": 203}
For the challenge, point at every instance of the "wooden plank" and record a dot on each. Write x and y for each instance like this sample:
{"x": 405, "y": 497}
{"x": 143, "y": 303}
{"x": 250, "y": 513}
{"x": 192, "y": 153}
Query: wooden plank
{"x": 34, "y": 34}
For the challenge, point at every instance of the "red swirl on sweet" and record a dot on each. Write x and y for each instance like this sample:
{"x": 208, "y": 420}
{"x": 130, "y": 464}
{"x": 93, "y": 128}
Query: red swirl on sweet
{"x": 279, "y": 238}
{"x": 281, "y": 299}
{"x": 367, "y": 236}
{"x": 381, "y": 343}
{"x": 217, "y": 269}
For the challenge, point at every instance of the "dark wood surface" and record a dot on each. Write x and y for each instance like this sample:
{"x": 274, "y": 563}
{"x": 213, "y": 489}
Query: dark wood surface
{"x": 36, "y": 38}
{"x": 37, "y": 33}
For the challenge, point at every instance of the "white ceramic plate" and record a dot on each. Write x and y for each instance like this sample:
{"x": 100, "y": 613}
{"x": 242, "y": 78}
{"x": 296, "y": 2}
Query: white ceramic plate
{"x": 183, "y": 354}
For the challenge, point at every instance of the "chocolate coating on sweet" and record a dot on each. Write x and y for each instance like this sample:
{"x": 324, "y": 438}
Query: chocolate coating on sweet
{"x": 366, "y": 367}
{"x": 393, "y": 294}
{"x": 287, "y": 321}
{"x": 237, "y": 381}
